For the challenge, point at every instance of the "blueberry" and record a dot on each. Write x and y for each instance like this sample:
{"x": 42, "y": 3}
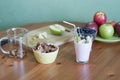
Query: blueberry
{"x": 87, "y": 32}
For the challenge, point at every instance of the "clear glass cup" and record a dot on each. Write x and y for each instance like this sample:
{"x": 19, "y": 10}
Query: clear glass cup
{"x": 82, "y": 52}
{"x": 83, "y": 43}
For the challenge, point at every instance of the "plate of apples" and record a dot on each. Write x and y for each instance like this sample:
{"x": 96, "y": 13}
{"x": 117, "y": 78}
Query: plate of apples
{"x": 108, "y": 32}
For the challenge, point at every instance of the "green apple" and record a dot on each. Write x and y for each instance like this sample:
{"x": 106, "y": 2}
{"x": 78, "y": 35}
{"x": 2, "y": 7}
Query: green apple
{"x": 57, "y": 29}
{"x": 106, "y": 31}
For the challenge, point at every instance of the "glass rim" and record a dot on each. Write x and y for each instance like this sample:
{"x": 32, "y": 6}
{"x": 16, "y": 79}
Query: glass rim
{"x": 22, "y": 30}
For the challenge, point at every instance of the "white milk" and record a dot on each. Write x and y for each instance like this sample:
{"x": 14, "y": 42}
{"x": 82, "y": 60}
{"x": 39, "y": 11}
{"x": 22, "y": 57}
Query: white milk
{"x": 82, "y": 51}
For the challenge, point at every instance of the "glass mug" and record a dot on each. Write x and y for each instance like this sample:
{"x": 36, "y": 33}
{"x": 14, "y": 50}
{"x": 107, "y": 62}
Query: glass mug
{"x": 14, "y": 39}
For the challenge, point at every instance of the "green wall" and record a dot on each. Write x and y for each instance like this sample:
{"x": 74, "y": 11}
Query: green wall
{"x": 20, "y": 12}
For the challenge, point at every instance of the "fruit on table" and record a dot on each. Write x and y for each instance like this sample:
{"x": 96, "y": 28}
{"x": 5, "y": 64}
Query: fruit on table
{"x": 100, "y": 18}
{"x": 42, "y": 35}
{"x": 106, "y": 31}
{"x": 92, "y": 25}
{"x": 117, "y": 28}
{"x": 112, "y": 22}
{"x": 57, "y": 29}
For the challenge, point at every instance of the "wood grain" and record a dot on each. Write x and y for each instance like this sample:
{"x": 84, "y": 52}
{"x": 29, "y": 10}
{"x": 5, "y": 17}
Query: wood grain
{"x": 104, "y": 63}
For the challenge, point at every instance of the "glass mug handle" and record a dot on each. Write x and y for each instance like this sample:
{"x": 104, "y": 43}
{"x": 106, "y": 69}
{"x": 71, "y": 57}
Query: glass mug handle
{"x": 3, "y": 41}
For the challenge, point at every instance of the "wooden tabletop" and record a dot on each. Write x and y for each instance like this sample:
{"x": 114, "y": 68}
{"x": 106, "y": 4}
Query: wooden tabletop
{"x": 104, "y": 63}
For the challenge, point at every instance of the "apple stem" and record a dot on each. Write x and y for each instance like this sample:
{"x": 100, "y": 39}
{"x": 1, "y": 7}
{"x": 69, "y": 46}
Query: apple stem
{"x": 69, "y": 23}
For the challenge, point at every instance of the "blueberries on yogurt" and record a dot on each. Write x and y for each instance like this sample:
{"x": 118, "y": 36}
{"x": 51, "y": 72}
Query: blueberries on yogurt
{"x": 84, "y": 31}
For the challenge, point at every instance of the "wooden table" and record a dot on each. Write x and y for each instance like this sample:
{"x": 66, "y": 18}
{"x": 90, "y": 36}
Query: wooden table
{"x": 104, "y": 63}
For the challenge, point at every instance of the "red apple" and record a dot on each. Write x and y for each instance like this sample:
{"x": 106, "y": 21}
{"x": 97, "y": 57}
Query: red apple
{"x": 117, "y": 28}
{"x": 112, "y": 22}
{"x": 100, "y": 18}
{"x": 92, "y": 25}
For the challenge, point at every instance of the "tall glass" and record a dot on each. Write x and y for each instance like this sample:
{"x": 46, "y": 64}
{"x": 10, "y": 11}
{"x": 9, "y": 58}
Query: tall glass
{"x": 83, "y": 39}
